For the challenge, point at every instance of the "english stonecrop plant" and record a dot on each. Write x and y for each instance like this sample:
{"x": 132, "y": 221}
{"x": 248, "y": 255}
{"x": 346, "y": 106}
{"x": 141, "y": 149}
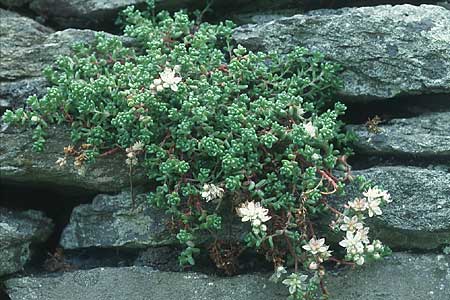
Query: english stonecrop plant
{"x": 218, "y": 130}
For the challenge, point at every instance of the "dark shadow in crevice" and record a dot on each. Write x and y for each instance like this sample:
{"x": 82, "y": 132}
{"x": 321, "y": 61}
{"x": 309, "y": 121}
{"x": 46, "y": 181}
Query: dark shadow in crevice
{"x": 400, "y": 107}
{"x": 366, "y": 161}
{"x": 3, "y": 294}
{"x": 56, "y": 204}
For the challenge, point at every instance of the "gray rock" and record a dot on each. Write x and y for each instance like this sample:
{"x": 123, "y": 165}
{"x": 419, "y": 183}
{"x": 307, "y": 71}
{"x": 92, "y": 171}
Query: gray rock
{"x": 403, "y": 276}
{"x": 14, "y": 3}
{"x": 101, "y": 14}
{"x": 112, "y": 222}
{"x": 445, "y": 4}
{"x": 160, "y": 258}
{"x": 14, "y": 93}
{"x": 423, "y": 136}
{"x": 82, "y": 14}
{"x": 22, "y": 53}
{"x": 20, "y": 164}
{"x": 27, "y": 47}
{"x": 386, "y": 51}
{"x": 418, "y": 217}
{"x": 19, "y": 231}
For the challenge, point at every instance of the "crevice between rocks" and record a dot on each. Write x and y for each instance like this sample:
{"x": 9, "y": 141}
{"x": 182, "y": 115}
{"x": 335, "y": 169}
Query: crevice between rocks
{"x": 364, "y": 161}
{"x": 56, "y": 204}
{"x": 358, "y": 112}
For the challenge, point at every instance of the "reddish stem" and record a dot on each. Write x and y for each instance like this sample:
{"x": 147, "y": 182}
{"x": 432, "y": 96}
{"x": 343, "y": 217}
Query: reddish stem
{"x": 109, "y": 152}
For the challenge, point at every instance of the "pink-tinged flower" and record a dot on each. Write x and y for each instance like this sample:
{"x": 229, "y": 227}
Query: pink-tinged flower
{"x": 316, "y": 246}
{"x": 358, "y": 204}
{"x": 351, "y": 224}
{"x": 364, "y": 234}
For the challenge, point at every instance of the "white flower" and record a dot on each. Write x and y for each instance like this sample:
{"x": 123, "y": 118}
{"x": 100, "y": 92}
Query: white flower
{"x": 358, "y": 204}
{"x": 169, "y": 79}
{"x": 61, "y": 162}
{"x": 372, "y": 193}
{"x": 131, "y": 161}
{"x": 377, "y": 256}
{"x": 324, "y": 255}
{"x": 370, "y": 248}
{"x": 310, "y": 129}
{"x": 316, "y": 246}
{"x": 364, "y": 235}
{"x": 352, "y": 242}
{"x": 386, "y": 196}
{"x": 375, "y": 193}
{"x": 211, "y": 192}
{"x": 263, "y": 227}
{"x": 316, "y": 156}
{"x": 377, "y": 245}
{"x": 374, "y": 208}
{"x": 35, "y": 119}
{"x": 351, "y": 225}
{"x": 138, "y": 146}
{"x": 254, "y": 212}
{"x": 359, "y": 259}
{"x": 295, "y": 282}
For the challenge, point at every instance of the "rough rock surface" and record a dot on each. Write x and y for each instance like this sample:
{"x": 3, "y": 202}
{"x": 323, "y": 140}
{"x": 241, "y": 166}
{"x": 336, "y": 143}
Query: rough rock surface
{"x": 113, "y": 222}
{"x": 403, "y": 276}
{"x": 81, "y": 14}
{"x": 423, "y": 136}
{"x": 18, "y": 232}
{"x": 418, "y": 217}
{"x": 386, "y": 51}
{"x": 20, "y": 164}
{"x": 101, "y": 14}
{"x": 14, "y": 3}
{"x": 26, "y": 49}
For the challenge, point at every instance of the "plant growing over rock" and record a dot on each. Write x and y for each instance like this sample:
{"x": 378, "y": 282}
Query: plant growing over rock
{"x": 218, "y": 129}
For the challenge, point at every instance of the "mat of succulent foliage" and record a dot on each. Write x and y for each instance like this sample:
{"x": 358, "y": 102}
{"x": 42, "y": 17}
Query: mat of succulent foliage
{"x": 219, "y": 130}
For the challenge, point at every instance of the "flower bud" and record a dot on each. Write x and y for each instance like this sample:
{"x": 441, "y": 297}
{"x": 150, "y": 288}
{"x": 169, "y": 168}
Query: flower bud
{"x": 313, "y": 266}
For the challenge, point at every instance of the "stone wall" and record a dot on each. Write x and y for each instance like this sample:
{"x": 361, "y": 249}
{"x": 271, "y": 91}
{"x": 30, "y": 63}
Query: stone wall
{"x": 396, "y": 61}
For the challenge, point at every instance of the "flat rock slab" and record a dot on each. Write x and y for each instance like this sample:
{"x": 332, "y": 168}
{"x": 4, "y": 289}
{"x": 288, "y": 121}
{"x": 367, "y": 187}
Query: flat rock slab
{"x": 111, "y": 221}
{"x": 401, "y": 277}
{"x": 19, "y": 231}
{"x": 423, "y": 136}
{"x": 386, "y": 51}
{"x": 419, "y": 216}
{"x": 20, "y": 164}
